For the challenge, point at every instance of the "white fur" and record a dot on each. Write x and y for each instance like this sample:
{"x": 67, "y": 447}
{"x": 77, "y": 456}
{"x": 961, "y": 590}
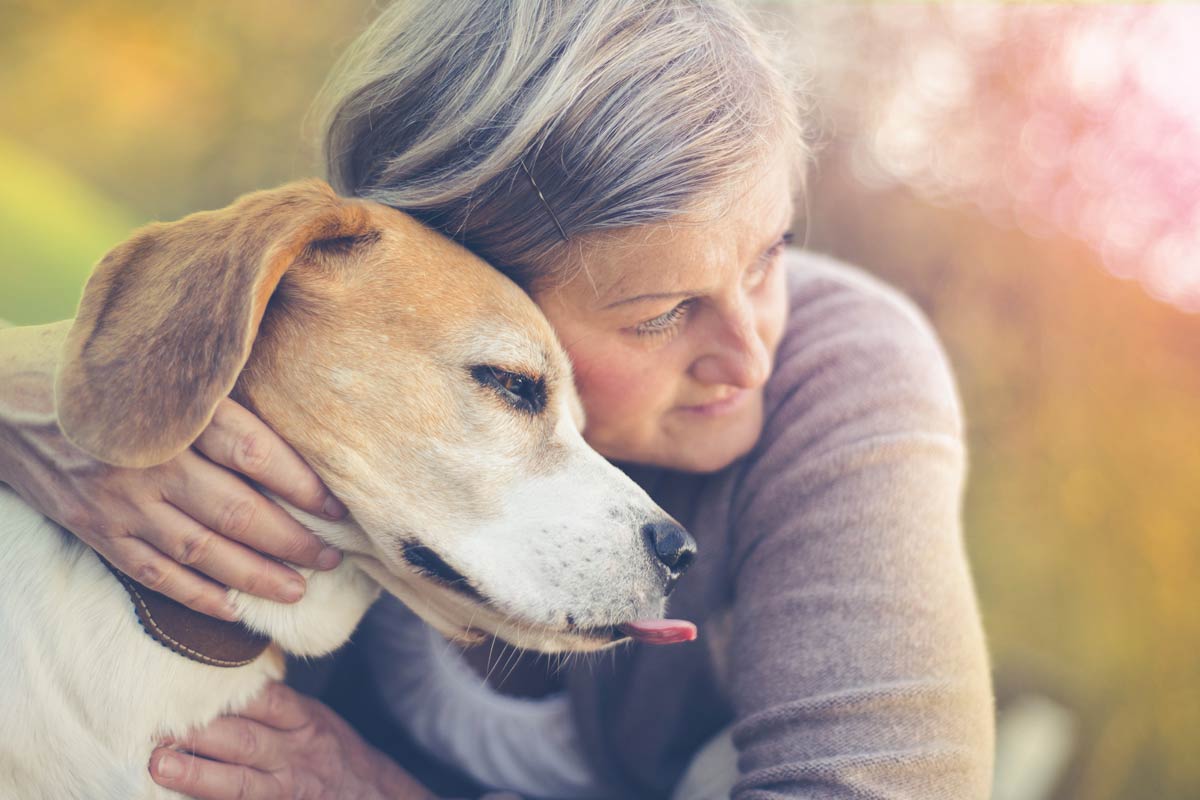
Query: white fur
{"x": 84, "y": 692}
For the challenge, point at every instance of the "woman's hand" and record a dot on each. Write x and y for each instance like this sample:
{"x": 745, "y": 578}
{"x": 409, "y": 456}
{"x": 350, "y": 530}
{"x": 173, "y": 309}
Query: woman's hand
{"x": 187, "y": 528}
{"x": 283, "y": 745}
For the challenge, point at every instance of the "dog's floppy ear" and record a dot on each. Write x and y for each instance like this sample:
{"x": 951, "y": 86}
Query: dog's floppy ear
{"x": 168, "y": 317}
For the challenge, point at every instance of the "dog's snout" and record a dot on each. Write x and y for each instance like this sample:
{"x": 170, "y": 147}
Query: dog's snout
{"x": 671, "y": 545}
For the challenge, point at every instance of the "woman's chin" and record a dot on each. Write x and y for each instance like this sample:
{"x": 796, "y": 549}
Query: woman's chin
{"x": 711, "y": 444}
{"x": 714, "y": 459}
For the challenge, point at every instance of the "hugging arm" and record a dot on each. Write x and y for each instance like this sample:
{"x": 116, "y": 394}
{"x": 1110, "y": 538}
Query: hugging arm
{"x": 186, "y": 528}
{"x": 858, "y": 660}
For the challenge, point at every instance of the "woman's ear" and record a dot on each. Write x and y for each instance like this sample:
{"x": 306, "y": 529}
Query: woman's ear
{"x": 168, "y": 318}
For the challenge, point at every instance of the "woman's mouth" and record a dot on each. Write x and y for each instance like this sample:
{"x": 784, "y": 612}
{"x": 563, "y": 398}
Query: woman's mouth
{"x": 724, "y": 405}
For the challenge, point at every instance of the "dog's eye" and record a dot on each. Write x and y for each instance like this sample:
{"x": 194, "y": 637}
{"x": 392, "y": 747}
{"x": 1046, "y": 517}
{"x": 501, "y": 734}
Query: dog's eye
{"x": 520, "y": 391}
{"x": 342, "y": 245}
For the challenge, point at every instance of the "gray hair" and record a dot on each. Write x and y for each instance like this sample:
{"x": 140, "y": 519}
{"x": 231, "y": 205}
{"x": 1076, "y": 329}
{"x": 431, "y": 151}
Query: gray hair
{"x": 619, "y": 112}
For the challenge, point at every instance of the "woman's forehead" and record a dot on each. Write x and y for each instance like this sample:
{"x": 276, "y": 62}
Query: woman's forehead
{"x": 683, "y": 256}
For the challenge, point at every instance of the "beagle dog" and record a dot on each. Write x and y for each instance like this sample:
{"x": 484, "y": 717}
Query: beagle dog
{"x": 427, "y": 391}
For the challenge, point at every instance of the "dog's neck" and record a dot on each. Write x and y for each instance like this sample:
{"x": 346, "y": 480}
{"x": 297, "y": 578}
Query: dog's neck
{"x": 319, "y": 623}
{"x": 195, "y": 636}
{"x": 334, "y": 601}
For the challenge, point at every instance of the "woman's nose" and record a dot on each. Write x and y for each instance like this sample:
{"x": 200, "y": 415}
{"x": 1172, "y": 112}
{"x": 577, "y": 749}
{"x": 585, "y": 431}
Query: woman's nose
{"x": 735, "y": 355}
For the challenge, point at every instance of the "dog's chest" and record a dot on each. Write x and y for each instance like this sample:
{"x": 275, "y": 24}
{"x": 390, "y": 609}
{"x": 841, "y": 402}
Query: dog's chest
{"x": 85, "y": 693}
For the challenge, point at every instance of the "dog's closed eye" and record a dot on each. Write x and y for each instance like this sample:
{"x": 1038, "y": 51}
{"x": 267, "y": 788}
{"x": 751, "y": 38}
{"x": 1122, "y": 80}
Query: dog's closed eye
{"x": 342, "y": 245}
{"x": 522, "y": 392}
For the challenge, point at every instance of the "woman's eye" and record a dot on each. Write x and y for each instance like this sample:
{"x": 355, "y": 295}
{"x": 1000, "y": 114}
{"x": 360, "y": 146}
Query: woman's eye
{"x": 760, "y": 271}
{"x": 664, "y": 323}
{"x": 520, "y": 391}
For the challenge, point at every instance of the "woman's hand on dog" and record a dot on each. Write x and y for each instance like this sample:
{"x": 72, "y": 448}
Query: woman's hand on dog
{"x": 188, "y": 528}
{"x": 282, "y": 745}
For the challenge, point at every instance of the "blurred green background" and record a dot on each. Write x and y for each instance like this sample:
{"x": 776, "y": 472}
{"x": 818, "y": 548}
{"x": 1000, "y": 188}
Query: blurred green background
{"x": 1029, "y": 175}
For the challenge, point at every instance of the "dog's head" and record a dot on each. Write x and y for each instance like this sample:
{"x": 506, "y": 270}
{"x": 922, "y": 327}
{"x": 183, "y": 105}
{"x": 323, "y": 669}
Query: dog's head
{"x": 424, "y": 387}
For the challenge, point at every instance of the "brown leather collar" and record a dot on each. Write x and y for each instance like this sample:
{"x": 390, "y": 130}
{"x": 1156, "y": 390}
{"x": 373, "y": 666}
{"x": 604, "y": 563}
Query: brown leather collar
{"x": 189, "y": 633}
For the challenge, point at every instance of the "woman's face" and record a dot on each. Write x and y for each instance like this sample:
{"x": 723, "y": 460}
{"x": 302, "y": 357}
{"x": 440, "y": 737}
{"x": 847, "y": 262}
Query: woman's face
{"x": 672, "y": 328}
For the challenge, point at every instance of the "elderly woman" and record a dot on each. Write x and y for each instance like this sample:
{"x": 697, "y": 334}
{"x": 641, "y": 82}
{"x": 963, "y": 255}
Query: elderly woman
{"x": 634, "y": 165}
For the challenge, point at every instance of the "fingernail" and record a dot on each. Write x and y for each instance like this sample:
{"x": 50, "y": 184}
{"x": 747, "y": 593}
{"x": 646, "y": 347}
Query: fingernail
{"x": 229, "y": 611}
{"x": 329, "y": 558}
{"x": 291, "y": 591}
{"x": 169, "y": 766}
{"x": 333, "y": 508}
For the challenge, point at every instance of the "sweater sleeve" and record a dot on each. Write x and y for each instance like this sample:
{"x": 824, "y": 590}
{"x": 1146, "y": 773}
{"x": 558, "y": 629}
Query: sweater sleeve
{"x": 859, "y": 664}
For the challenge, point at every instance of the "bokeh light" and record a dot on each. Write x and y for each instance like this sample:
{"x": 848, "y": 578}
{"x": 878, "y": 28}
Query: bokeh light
{"x": 1081, "y": 120}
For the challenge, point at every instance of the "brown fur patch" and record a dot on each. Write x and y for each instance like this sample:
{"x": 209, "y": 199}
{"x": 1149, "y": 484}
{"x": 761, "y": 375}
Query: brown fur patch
{"x": 168, "y": 318}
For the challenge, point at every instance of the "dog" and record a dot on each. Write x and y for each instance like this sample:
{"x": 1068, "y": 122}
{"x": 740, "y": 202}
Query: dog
{"x": 427, "y": 391}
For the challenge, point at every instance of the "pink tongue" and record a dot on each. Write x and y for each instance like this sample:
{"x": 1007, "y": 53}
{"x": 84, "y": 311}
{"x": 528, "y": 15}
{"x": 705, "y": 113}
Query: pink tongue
{"x": 660, "y": 631}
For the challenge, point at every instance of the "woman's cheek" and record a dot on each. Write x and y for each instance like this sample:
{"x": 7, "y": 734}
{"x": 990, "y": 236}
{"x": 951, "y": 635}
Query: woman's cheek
{"x": 773, "y": 312}
{"x": 620, "y": 395}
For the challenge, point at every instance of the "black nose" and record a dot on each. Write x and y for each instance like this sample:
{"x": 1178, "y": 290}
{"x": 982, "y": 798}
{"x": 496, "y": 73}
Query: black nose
{"x": 671, "y": 545}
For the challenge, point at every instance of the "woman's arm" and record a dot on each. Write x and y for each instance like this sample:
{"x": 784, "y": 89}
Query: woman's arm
{"x": 187, "y": 528}
{"x": 858, "y": 660}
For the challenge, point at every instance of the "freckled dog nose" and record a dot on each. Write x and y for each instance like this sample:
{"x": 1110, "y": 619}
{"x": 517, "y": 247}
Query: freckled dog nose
{"x": 671, "y": 545}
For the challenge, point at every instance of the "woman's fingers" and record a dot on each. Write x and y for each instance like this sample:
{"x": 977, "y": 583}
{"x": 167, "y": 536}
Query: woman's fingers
{"x": 258, "y": 735}
{"x": 189, "y": 542}
{"x": 155, "y": 571}
{"x": 279, "y": 706}
{"x": 304, "y": 746}
{"x": 212, "y": 780}
{"x": 237, "y": 740}
{"x": 251, "y": 751}
{"x": 224, "y": 503}
{"x": 239, "y": 440}
{"x": 122, "y": 513}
